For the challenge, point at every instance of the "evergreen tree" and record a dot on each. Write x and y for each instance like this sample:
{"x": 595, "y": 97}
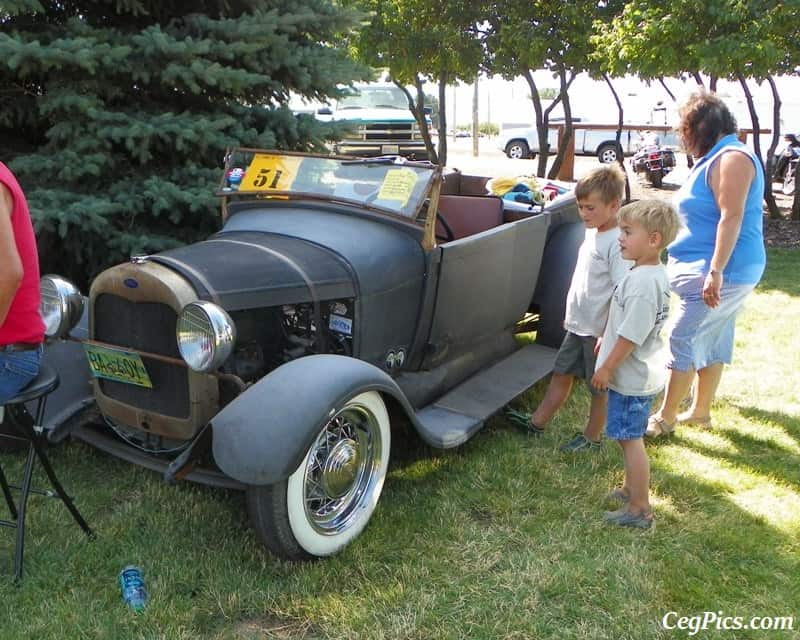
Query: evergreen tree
{"x": 116, "y": 114}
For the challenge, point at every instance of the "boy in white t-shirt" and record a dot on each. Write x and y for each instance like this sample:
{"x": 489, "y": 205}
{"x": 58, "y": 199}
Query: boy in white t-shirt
{"x": 598, "y": 269}
{"x": 631, "y": 361}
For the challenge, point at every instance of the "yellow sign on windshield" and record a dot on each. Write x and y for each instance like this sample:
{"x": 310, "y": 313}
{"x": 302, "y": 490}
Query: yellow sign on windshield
{"x": 398, "y": 184}
{"x": 270, "y": 173}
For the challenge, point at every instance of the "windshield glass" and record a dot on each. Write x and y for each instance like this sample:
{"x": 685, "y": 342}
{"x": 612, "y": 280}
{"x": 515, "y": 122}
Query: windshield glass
{"x": 385, "y": 97}
{"x": 388, "y": 184}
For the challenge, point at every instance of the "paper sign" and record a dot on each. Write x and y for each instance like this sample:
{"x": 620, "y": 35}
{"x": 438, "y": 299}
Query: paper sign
{"x": 270, "y": 173}
{"x": 398, "y": 184}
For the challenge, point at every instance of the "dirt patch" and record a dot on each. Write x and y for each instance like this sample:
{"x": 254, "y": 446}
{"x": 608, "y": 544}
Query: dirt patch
{"x": 781, "y": 233}
{"x": 272, "y": 627}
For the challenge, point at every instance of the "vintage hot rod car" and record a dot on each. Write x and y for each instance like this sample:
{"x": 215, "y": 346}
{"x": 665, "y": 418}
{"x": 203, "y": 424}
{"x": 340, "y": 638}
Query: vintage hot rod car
{"x": 338, "y": 294}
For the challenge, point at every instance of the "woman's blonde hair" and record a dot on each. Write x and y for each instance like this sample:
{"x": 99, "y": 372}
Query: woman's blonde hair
{"x": 653, "y": 215}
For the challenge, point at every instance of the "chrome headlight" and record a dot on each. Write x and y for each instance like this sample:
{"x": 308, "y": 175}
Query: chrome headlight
{"x": 206, "y": 335}
{"x": 61, "y": 305}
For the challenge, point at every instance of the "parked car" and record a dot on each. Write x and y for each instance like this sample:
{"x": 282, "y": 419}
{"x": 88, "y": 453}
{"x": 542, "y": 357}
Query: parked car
{"x": 339, "y": 298}
{"x": 523, "y": 142}
{"x": 381, "y": 122}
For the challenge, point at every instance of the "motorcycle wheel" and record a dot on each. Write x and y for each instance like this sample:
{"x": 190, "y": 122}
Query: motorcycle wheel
{"x": 656, "y": 178}
{"x": 789, "y": 181}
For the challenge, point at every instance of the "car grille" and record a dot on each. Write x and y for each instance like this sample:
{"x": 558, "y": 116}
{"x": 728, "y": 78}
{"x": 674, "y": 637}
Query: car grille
{"x": 389, "y": 131}
{"x": 149, "y": 326}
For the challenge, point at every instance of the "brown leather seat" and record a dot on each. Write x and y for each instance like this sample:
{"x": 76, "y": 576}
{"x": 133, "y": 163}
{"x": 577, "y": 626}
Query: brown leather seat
{"x": 468, "y": 215}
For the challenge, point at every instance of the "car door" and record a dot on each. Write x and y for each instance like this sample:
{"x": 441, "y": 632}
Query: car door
{"x": 486, "y": 283}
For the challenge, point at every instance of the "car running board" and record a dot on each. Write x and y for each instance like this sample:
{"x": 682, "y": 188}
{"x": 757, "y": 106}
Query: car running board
{"x": 455, "y": 417}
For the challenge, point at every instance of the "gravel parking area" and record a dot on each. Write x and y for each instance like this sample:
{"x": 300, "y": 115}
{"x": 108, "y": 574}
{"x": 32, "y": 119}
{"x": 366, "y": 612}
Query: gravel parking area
{"x": 491, "y": 161}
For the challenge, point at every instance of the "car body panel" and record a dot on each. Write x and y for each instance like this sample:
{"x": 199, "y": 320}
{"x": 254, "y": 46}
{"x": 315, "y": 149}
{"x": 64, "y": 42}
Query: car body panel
{"x": 262, "y": 435}
{"x": 425, "y": 319}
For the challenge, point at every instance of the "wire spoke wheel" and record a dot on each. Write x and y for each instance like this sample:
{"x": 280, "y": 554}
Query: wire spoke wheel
{"x": 328, "y": 500}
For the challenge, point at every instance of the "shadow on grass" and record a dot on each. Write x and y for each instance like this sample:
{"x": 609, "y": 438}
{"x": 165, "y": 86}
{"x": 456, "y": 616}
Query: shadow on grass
{"x": 781, "y": 272}
{"x": 758, "y": 455}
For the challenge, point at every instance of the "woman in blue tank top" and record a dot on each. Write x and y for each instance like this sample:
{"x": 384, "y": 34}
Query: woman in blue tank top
{"x": 716, "y": 260}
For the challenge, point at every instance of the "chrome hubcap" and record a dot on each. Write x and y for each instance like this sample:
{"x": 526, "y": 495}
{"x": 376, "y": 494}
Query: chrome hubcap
{"x": 342, "y": 469}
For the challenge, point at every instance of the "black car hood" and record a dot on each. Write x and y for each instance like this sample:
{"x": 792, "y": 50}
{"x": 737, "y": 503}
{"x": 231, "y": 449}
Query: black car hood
{"x": 250, "y": 269}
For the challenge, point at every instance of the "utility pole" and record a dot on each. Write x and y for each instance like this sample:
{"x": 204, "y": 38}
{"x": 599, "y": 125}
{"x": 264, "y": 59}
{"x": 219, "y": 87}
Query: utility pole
{"x": 475, "y": 124}
{"x": 453, "y": 123}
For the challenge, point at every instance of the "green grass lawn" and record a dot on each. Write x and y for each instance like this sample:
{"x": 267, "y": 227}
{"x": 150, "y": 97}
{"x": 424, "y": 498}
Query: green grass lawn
{"x": 501, "y": 538}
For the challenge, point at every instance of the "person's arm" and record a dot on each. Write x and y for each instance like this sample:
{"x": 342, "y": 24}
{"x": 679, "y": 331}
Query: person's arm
{"x": 10, "y": 262}
{"x": 730, "y": 182}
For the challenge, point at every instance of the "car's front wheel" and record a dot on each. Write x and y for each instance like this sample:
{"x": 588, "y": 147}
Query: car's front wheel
{"x": 326, "y": 503}
{"x": 518, "y": 149}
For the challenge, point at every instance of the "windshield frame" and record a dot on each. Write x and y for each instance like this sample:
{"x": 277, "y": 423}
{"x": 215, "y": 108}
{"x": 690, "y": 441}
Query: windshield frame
{"x": 419, "y": 216}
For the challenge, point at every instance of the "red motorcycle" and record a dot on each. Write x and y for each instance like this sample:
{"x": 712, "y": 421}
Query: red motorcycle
{"x": 654, "y": 161}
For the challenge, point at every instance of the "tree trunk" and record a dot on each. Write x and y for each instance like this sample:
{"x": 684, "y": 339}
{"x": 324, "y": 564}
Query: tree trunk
{"x": 620, "y": 120}
{"x": 568, "y": 128}
{"x": 418, "y": 110}
{"x": 666, "y": 88}
{"x": 772, "y": 206}
{"x": 776, "y": 125}
{"x": 541, "y": 122}
{"x": 712, "y": 83}
{"x": 442, "y": 119}
{"x": 796, "y": 200}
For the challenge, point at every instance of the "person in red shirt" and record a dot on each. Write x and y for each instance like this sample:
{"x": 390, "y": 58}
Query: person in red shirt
{"x": 21, "y": 325}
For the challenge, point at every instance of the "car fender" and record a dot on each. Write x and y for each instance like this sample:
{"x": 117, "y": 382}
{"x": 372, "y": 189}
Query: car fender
{"x": 263, "y": 434}
{"x": 68, "y": 404}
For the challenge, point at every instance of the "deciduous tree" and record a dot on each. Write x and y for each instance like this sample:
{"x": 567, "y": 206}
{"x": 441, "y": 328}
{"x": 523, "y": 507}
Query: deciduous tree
{"x": 420, "y": 41}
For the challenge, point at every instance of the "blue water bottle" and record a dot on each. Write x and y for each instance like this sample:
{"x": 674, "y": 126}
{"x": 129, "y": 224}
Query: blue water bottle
{"x": 131, "y": 585}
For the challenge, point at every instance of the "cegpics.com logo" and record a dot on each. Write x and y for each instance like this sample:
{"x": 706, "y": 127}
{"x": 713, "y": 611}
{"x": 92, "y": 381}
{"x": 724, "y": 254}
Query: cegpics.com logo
{"x": 718, "y": 621}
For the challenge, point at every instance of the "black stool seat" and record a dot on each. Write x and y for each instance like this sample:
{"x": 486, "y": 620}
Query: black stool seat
{"x": 32, "y": 430}
{"x": 44, "y": 383}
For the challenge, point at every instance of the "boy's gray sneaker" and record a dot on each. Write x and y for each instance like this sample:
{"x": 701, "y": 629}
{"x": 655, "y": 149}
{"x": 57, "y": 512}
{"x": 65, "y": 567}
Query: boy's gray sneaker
{"x": 624, "y": 518}
{"x": 580, "y": 443}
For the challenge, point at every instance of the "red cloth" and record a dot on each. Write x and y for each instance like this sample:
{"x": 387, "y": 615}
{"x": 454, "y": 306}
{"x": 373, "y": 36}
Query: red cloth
{"x": 23, "y": 323}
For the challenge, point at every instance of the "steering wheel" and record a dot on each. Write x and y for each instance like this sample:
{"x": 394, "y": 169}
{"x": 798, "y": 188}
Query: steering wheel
{"x": 448, "y": 230}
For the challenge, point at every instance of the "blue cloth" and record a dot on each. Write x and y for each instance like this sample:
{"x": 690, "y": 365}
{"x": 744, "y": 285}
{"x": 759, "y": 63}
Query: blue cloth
{"x": 17, "y": 369}
{"x": 702, "y": 336}
{"x": 691, "y": 251}
{"x": 627, "y": 416}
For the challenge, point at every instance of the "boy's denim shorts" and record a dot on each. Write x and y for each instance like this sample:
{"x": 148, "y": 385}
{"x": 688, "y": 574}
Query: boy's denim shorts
{"x": 576, "y": 357}
{"x": 699, "y": 335}
{"x": 627, "y": 416}
{"x": 17, "y": 369}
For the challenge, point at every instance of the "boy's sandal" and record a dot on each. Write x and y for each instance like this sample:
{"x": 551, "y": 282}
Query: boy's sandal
{"x": 624, "y": 518}
{"x": 657, "y": 426}
{"x": 523, "y": 421}
{"x": 618, "y": 495}
{"x": 703, "y": 423}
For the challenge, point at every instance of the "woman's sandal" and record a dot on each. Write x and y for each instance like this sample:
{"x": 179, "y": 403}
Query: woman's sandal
{"x": 687, "y": 418}
{"x": 657, "y": 426}
{"x": 523, "y": 421}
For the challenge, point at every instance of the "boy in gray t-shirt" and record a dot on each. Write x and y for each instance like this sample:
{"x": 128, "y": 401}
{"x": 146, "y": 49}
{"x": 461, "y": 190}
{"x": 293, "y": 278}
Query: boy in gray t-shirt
{"x": 597, "y": 271}
{"x": 631, "y": 364}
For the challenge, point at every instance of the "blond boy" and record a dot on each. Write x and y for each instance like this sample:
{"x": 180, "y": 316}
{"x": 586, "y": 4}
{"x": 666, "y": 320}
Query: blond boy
{"x": 631, "y": 361}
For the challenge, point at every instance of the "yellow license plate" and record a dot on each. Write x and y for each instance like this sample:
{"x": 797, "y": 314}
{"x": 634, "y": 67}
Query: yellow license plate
{"x": 115, "y": 364}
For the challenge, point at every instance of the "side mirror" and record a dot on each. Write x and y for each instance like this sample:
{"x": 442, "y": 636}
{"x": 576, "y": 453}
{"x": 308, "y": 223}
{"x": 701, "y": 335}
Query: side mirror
{"x": 325, "y": 111}
{"x": 427, "y": 110}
